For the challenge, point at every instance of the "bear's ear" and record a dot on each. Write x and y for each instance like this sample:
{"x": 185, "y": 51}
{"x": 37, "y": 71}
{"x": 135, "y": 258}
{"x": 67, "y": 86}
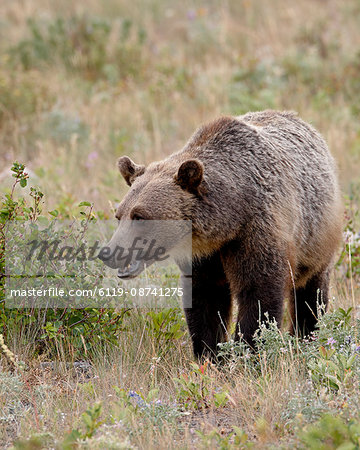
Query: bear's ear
{"x": 190, "y": 175}
{"x": 129, "y": 170}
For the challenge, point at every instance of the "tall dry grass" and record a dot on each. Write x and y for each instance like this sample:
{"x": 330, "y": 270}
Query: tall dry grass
{"x": 198, "y": 60}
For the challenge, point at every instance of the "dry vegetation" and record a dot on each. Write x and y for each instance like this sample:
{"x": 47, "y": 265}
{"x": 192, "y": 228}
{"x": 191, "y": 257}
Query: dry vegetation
{"x": 82, "y": 83}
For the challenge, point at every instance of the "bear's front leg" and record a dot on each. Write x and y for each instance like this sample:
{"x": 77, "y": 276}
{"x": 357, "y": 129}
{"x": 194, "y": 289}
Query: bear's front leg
{"x": 258, "y": 302}
{"x": 207, "y": 306}
{"x": 259, "y": 282}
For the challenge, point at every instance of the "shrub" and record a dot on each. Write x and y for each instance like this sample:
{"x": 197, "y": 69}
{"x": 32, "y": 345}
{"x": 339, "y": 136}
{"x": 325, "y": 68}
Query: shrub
{"x": 332, "y": 432}
{"x": 54, "y": 329}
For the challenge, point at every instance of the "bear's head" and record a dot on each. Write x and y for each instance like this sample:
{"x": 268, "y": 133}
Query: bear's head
{"x": 157, "y": 208}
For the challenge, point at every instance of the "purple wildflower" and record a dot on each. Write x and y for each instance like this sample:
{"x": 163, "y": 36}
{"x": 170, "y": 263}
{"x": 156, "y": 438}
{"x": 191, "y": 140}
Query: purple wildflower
{"x": 191, "y": 14}
{"x": 138, "y": 399}
{"x": 92, "y": 157}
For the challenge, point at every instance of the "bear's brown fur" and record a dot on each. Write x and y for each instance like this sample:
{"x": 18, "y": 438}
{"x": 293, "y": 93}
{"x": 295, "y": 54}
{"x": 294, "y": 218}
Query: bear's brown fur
{"x": 262, "y": 194}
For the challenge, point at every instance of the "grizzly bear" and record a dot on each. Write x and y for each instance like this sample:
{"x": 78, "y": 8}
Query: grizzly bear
{"x": 262, "y": 194}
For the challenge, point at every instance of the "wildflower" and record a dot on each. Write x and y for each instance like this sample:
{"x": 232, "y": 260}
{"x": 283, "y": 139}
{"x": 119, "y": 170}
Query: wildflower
{"x": 191, "y": 14}
{"x": 313, "y": 336}
{"x": 203, "y": 367}
{"x": 138, "y": 399}
{"x": 92, "y": 157}
{"x": 331, "y": 341}
{"x": 154, "y": 364}
{"x": 134, "y": 394}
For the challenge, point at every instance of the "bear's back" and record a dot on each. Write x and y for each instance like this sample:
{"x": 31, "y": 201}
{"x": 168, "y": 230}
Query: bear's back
{"x": 286, "y": 125}
{"x": 285, "y": 165}
{"x": 296, "y": 159}
{"x": 291, "y": 149}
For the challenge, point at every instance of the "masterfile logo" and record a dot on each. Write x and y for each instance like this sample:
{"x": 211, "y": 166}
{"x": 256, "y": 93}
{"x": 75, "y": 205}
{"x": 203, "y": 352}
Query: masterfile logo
{"x": 64, "y": 264}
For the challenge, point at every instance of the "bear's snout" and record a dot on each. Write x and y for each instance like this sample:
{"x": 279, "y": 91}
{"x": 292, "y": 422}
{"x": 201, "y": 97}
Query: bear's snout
{"x": 127, "y": 267}
{"x": 107, "y": 257}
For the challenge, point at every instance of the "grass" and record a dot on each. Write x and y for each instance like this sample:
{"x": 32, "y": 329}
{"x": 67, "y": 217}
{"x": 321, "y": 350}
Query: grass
{"x": 72, "y": 100}
{"x": 82, "y": 83}
{"x": 265, "y": 400}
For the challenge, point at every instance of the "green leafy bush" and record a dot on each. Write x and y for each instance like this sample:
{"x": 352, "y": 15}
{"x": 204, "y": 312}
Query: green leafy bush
{"x": 164, "y": 327}
{"x": 195, "y": 389}
{"x": 55, "y": 329}
{"x": 332, "y": 433}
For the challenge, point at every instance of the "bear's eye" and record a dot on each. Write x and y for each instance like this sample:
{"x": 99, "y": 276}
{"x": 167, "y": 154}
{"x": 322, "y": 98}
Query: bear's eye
{"x": 137, "y": 216}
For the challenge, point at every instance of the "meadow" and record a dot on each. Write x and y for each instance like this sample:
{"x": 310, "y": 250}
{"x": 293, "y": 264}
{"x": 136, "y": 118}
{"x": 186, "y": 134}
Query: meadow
{"x": 82, "y": 83}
